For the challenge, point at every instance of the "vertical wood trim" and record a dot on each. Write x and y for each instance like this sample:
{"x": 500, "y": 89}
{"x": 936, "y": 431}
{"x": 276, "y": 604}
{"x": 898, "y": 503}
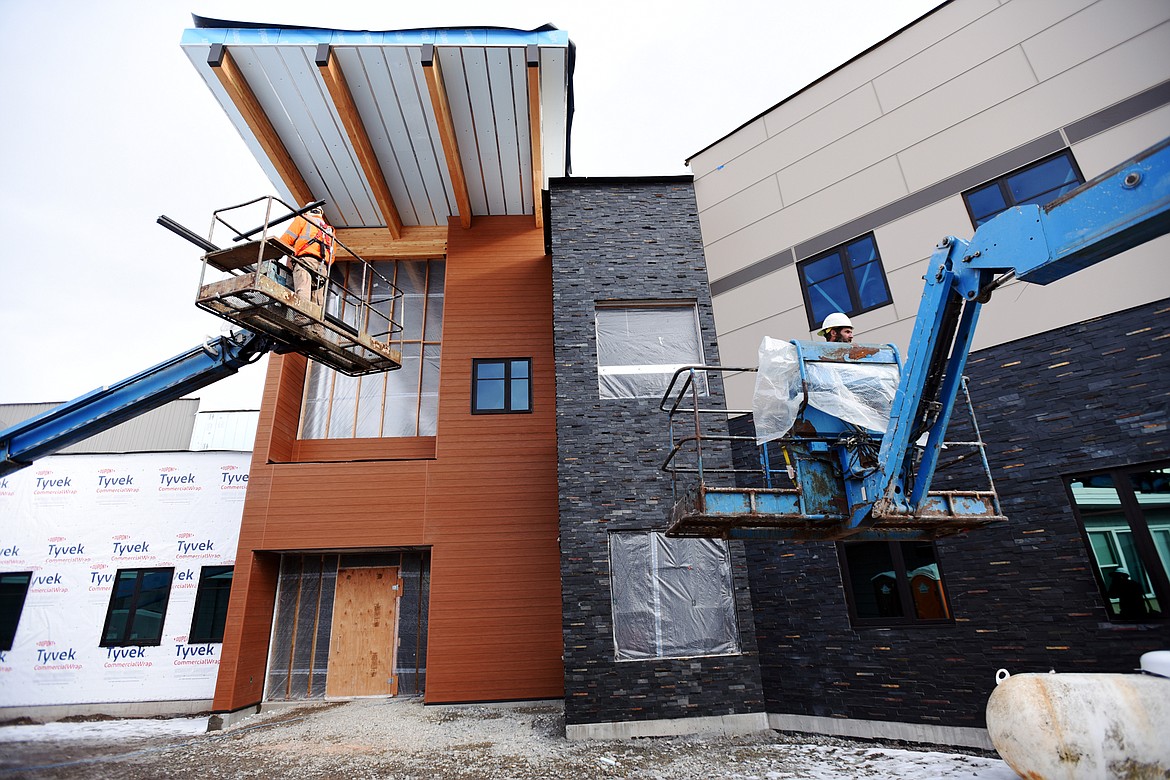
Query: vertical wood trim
{"x": 316, "y": 627}
{"x": 241, "y": 95}
{"x": 442, "y": 107}
{"x": 534, "y": 131}
{"x": 292, "y": 642}
{"x": 346, "y": 108}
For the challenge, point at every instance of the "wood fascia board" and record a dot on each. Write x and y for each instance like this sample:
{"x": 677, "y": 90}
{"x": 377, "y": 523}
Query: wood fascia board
{"x": 534, "y": 131}
{"x": 447, "y": 136}
{"x": 245, "y": 101}
{"x": 351, "y": 119}
{"x": 416, "y": 243}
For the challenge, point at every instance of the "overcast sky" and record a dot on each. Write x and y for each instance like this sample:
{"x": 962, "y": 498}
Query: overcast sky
{"x": 107, "y": 125}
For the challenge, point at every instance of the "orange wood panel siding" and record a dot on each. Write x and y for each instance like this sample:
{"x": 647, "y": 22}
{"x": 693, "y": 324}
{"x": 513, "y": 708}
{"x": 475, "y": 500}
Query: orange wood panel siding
{"x": 482, "y": 494}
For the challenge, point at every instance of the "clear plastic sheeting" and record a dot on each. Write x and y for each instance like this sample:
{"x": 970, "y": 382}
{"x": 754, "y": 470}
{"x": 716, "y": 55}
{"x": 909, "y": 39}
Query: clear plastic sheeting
{"x": 299, "y": 654}
{"x": 672, "y": 598}
{"x": 640, "y": 347}
{"x": 778, "y": 393}
{"x": 858, "y": 393}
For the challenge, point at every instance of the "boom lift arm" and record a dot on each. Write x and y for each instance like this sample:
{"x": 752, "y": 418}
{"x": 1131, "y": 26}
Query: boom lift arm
{"x": 105, "y": 407}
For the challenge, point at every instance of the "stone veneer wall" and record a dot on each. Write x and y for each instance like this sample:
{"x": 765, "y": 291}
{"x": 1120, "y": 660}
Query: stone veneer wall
{"x": 623, "y": 240}
{"x": 1091, "y": 396}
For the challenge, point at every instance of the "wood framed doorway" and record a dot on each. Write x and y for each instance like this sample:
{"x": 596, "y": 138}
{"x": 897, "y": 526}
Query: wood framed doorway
{"x": 364, "y": 637}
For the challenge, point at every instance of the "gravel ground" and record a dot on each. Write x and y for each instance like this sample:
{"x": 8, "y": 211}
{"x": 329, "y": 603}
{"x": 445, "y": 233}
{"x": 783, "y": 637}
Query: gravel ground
{"x": 400, "y": 738}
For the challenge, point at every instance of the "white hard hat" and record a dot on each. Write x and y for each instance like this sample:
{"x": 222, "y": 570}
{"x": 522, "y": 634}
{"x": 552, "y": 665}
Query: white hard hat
{"x": 834, "y": 320}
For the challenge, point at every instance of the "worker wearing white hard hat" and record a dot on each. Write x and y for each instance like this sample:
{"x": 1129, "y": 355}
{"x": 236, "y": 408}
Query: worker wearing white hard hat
{"x": 837, "y": 328}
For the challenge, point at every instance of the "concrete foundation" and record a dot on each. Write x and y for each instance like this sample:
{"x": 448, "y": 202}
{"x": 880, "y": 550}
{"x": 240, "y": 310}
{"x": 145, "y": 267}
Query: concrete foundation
{"x": 876, "y": 729}
{"x": 670, "y": 727}
{"x": 129, "y": 709}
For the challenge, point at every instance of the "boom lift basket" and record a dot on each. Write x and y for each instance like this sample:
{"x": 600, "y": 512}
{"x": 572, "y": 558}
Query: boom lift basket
{"x": 251, "y": 284}
{"x": 799, "y": 486}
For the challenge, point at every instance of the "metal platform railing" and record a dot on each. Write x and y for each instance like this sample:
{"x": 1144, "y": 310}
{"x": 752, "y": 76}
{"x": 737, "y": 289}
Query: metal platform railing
{"x": 726, "y": 485}
{"x": 347, "y": 323}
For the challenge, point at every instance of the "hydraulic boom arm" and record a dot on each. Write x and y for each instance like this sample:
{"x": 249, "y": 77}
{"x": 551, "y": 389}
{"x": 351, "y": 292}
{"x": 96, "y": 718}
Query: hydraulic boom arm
{"x": 105, "y": 407}
{"x": 1120, "y": 209}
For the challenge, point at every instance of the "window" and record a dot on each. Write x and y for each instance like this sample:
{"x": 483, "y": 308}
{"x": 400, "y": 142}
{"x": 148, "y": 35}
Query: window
{"x": 672, "y": 598}
{"x": 1124, "y": 515}
{"x": 211, "y": 603}
{"x": 13, "y": 589}
{"x": 1040, "y": 182}
{"x": 501, "y": 386}
{"x": 640, "y": 346}
{"x": 847, "y": 279}
{"x": 394, "y": 403}
{"x": 893, "y": 583}
{"x": 138, "y": 606}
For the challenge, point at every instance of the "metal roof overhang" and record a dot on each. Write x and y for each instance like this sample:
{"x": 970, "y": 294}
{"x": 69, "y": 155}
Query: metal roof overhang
{"x": 397, "y": 131}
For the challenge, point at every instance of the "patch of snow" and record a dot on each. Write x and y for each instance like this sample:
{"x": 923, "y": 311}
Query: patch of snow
{"x": 105, "y": 730}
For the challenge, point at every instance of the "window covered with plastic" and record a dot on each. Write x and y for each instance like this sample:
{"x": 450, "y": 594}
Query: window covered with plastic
{"x": 404, "y": 402}
{"x": 672, "y": 598}
{"x": 859, "y": 393}
{"x": 639, "y": 347}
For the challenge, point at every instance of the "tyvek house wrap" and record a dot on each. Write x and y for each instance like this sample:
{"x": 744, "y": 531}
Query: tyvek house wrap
{"x": 74, "y": 521}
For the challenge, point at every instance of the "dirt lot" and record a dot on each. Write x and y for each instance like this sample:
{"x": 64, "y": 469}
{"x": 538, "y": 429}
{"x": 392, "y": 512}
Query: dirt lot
{"x": 400, "y": 738}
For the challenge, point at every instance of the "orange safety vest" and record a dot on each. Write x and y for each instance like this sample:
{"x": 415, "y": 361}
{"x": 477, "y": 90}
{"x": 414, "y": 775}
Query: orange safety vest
{"x": 308, "y": 238}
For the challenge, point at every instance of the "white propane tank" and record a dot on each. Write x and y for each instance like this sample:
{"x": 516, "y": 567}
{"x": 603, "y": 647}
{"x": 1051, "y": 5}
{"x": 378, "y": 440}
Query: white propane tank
{"x": 1081, "y": 726}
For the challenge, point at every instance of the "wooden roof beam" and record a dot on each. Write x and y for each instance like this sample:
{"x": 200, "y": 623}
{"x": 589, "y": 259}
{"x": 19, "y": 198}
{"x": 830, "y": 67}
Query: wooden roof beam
{"x": 416, "y": 243}
{"x": 241, "y": 95}
{"x": 534, "y": 131}
{"x": 347, "y": 110}
{"x": 442, "y": 107}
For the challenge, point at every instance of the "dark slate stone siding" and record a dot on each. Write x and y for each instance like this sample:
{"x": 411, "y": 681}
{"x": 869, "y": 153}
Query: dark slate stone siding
{"x": 1091, "y": 396}
{"x": 615, "y": 240}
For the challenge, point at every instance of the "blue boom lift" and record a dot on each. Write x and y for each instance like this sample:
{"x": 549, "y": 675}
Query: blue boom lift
{"x": 852, "y": 481}
{"x": 348, "y": 333}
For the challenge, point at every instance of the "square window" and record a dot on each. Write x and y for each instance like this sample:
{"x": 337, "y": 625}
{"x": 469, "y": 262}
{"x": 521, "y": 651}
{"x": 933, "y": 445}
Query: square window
{"x": 849, "y": 279}
{"x": 1124, "y": 515}
{"x": 641, "y": 346}
{"x": 1040, "y": 182}
{"x": 501, "y": 385}
{"x": 13, "y": 589}
{"x": 893, "y": 583}
{"x": 138, "y": 607}
{"x": 211, "y": 603}
{"x": 672, "y": 598}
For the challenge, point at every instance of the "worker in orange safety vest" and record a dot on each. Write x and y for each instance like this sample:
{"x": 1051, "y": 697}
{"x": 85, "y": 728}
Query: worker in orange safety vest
{"x": 311, "y": 239}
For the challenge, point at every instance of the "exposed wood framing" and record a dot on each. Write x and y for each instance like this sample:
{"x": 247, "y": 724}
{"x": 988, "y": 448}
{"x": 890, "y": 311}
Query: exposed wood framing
{"x": 416, "y": 243}
{"x": 442, "y": 107}
{"x": 241, "y": 95}
{"x": 347, "y": 110}
{"x": 534, "y": 130}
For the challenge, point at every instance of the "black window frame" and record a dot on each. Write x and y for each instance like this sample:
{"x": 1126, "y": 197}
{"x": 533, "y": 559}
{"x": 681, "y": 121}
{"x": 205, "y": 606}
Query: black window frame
{"x": 132, "y": 611}
{"x": 8, "y": 636}
{"x": 1005, "y": 189}
{"x": 211, "y": 588}
{"x": 909, "y": 617}
{"x": 1142, "y": 537}
{"x": 506, "y": 379}
{"x": 851, "y": 288}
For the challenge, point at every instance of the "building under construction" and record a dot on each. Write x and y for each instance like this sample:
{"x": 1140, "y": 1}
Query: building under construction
{"x": 487, "y": 521}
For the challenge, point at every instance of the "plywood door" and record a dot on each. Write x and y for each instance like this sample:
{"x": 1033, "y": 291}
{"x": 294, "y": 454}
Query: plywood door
{"x": 365, "y": 620}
